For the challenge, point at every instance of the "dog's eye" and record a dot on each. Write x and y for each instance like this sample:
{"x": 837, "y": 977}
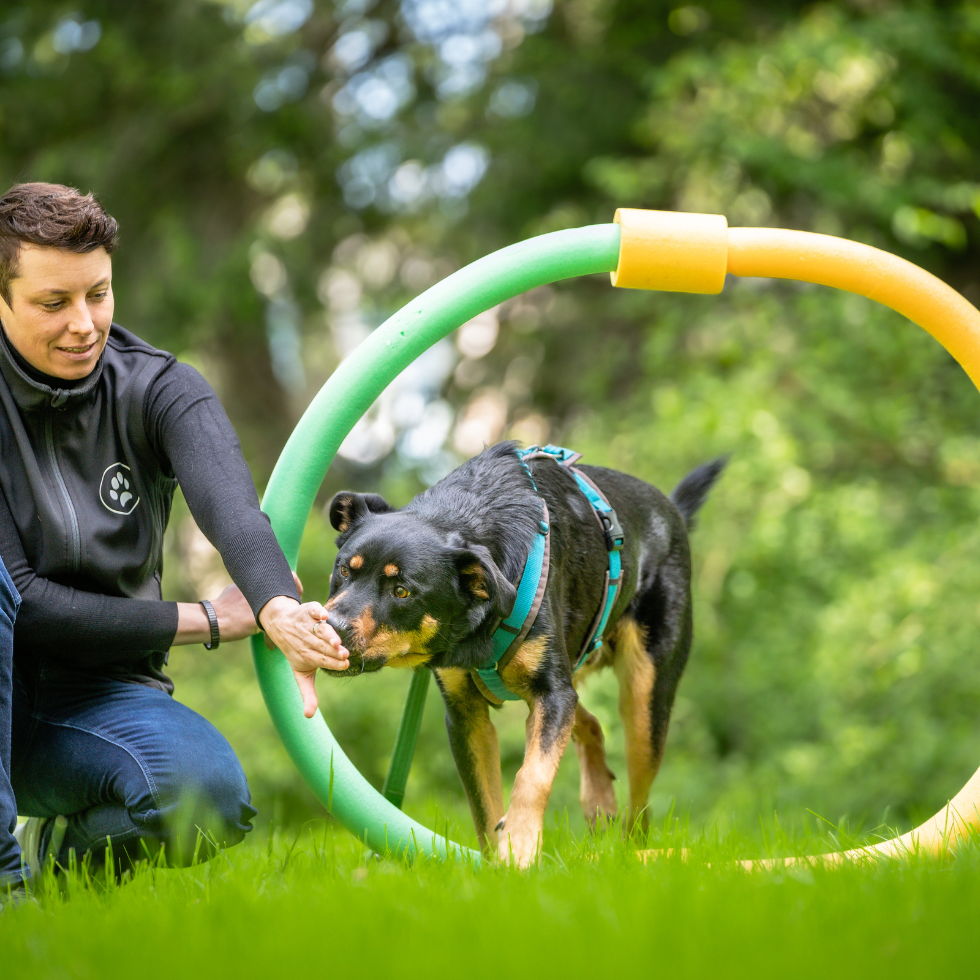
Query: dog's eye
{"x": 343, "y": 571}
{"x": 401, "y": 592}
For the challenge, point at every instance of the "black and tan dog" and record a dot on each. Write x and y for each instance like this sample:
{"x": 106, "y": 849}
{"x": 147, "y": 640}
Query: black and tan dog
{"x": 427, "y": 585}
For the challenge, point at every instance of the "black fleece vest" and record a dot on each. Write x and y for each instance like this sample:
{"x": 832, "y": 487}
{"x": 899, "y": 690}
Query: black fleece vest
{"x": 88, "y": 495}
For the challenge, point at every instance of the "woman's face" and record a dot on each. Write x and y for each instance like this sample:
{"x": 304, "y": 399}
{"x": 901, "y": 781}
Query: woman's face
{"x": 60, "y": 309}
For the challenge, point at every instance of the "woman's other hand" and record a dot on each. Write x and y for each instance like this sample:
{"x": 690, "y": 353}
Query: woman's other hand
{"x": 289, "y": 625}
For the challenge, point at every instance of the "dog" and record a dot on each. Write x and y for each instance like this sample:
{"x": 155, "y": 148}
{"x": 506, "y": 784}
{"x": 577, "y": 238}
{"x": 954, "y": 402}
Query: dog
{"x": 428, "y": 585}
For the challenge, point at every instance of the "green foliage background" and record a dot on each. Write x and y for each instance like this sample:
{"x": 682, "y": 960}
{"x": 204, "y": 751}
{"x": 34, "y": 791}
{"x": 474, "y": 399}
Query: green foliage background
{"x": 835, "y": 582}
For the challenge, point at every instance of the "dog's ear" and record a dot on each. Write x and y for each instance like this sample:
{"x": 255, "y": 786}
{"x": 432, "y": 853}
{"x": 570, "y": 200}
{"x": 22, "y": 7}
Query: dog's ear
{"x": 348, "y": 507}
{"x": 480, "y": 578}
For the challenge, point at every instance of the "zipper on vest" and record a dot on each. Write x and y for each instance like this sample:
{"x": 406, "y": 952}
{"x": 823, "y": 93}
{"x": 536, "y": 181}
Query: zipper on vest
{"x": 76, "y": 541}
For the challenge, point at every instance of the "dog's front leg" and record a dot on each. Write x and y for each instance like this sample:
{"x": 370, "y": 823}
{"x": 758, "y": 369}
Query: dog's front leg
{"x": 549, "y": 726}
{"x": 473, "y": 741}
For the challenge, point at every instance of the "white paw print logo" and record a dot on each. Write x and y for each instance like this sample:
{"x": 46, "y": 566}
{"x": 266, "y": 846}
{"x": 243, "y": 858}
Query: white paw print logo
{"x": 118, "y": 492}
{"x": 119, "y": 489}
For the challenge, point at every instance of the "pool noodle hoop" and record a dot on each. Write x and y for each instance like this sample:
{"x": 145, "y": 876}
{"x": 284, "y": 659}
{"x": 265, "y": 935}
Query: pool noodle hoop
{"x": 641, "y": 249}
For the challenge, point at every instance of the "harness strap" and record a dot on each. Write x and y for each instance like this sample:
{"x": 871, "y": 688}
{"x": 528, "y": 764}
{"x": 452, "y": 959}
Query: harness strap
{"x": 611, "y": 531}
{"x": 511, "y": 633}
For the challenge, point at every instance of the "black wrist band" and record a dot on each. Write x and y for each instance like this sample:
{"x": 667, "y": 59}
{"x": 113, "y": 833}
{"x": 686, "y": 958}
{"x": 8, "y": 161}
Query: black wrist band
{"x": 213, "y": 623}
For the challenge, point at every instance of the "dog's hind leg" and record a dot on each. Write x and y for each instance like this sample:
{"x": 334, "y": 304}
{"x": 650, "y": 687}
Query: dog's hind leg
{"x": 637, "y": 677}
{"x": 473, "y": 741}
{"x": 596, "y": 792}
{"x": 652, "y": 645}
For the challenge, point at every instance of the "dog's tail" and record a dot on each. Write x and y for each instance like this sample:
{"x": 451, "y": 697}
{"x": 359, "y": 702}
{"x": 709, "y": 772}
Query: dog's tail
{"x": 690, "y": 493}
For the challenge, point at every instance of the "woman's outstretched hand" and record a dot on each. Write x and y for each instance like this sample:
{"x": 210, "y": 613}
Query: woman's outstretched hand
{"x": 290, "y": 626}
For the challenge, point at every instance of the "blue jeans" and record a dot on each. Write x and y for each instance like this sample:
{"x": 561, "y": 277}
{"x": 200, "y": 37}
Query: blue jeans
{"x": 125, "y": 763}
{"x": 10, "y": 864}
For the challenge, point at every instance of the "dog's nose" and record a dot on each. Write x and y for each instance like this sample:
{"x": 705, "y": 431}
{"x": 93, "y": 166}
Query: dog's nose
{"x": 341, "y": 625}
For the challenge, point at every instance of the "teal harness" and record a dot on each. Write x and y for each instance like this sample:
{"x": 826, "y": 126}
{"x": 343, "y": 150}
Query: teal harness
{"x": 512, "y": 631}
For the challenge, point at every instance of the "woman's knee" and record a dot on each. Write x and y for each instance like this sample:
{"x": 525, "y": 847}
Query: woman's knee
{"x": 199, "y": 799}
{"x": 210, "y": 812}
{"x": 229, "y": 802}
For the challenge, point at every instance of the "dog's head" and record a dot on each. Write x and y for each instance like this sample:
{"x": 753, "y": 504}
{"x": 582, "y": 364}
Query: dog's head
{"x": 404, "y": 593}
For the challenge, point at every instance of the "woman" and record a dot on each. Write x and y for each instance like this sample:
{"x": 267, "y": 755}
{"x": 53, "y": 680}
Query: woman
{"x": 97, "y": 429}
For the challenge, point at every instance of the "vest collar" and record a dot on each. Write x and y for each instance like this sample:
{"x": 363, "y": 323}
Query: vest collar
{"x": 33, "y": 390}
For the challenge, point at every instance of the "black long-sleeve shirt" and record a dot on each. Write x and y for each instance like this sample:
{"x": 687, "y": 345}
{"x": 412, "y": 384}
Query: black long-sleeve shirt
{"x": 191, "y": 438}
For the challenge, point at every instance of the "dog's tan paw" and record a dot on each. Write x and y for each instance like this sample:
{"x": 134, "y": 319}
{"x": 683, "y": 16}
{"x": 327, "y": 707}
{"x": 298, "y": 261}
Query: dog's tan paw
{"x": 637, "y": 821}
{"x": 599, "y": 813}
{"x": 598, "y": 798}
{"x": 521, "y": 850}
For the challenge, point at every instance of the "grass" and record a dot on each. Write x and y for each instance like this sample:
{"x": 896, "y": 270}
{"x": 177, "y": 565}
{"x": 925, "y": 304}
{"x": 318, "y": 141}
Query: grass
{"x": 316, "y": 901}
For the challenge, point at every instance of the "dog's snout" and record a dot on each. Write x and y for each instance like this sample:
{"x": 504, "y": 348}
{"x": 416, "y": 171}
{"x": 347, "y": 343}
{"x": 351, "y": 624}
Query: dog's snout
{"x": 341, "y": 625}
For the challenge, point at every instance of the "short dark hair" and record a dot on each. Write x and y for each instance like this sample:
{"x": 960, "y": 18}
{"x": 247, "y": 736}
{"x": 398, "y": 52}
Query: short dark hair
{"x": 50, "y": 216}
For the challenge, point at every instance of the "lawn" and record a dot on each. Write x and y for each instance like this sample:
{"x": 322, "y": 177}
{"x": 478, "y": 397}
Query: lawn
{"x": 288, "y": 904}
